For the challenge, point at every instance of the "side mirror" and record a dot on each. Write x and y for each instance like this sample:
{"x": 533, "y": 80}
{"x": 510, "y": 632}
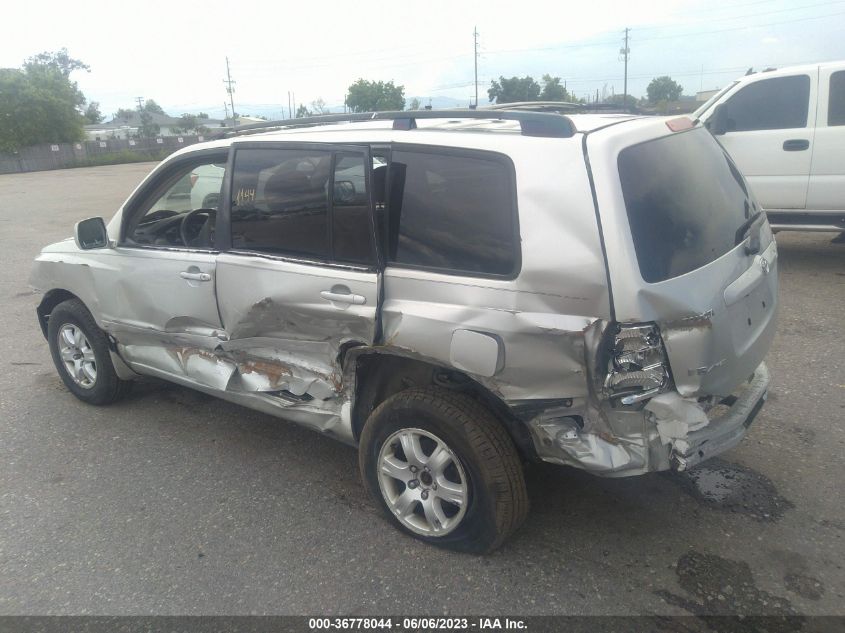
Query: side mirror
{"x": 91, "y": 233}
{"x": 718, "y": 123}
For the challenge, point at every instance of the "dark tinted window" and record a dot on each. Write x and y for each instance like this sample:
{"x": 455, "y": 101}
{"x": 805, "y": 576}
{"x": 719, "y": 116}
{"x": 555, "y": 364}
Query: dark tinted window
{"x": 685, "y": 200}
{"x": 770, "y": 104}
{"x": 836, "y": 105}
{"x": 352, "y": 233}
{"x": 280, "y": 201}
{"x": 451, "y": 211}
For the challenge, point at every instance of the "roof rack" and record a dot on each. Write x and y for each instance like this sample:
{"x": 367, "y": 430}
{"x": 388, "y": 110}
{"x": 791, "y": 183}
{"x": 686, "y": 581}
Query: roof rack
{"x": 561, "y": 107}
{"x": 547, "y": 124}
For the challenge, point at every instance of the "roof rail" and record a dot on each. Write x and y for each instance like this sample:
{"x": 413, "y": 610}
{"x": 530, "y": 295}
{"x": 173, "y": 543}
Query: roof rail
{"x": 546, "y": 124}
{"x": 568, "y": 107}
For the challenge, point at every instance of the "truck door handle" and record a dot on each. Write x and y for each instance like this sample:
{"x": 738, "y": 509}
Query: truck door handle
{"x": 195, "y": 276}
{"x": 796, "y": 145}
{"x": 341, "y": 297}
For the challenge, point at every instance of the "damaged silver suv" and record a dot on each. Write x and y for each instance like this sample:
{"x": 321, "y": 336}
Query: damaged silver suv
{"x": 456, "y": 293}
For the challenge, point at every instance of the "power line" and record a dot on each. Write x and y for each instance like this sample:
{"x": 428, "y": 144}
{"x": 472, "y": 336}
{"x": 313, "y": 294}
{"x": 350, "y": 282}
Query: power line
{"x": 626, "y": 52}
{"x": 231, "y": 90}
{"x": 475, "y": 59}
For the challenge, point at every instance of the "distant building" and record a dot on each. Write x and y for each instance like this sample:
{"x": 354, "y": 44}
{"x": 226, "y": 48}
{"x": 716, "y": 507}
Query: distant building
{"x": 704, "y": 95}
{"x": 128, "y": 126}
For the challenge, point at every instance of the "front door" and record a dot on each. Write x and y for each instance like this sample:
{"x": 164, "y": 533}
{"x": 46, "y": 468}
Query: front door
{"x": 770, "y": 137}
{"x": 158, "y": 296}
{"x": 299, "y": 283}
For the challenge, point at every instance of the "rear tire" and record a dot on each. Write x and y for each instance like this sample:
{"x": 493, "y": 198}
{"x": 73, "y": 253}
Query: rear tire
{"x": 81, "y": 354}
{"x": 481, "y": 499}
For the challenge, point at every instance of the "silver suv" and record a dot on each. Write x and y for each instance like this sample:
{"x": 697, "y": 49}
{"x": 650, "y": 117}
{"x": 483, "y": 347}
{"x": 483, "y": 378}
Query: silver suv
{"x": 456, "y": 293}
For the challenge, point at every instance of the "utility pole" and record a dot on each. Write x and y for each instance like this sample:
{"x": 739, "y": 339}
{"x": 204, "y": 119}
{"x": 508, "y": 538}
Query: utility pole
{"x": 231, "y": 90}
{"x": 290, "y": 114}
{"x": 625, "y": 51}
{"x": 475, "y": 59}
{"x": 140, "y": 101}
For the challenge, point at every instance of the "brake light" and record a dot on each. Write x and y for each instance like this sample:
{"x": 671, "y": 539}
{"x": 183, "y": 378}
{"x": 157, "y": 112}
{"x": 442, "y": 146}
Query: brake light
{"x": 637, "y": 369}
{"x": 194, "y": 178}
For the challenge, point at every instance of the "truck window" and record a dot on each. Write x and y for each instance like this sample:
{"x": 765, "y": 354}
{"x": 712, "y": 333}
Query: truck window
{"x": 685, "y": 200}
{"x": 836, "y": 104}
{"x": 779, "y": 103}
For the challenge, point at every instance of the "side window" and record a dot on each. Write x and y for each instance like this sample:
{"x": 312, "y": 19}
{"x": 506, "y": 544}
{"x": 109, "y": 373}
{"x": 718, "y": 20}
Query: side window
{"x": 352, "y": 232}
{"x": 182, "y": 210}
{"x": 836, "y": 104}
{"x": 770, "y": 104}
{"x": 452, "y": 211}
{"x": 280, "y": 201}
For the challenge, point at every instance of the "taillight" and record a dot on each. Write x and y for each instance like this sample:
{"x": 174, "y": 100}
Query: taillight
{"x": 194, "y": 178}
{"x": 637, "y": 369}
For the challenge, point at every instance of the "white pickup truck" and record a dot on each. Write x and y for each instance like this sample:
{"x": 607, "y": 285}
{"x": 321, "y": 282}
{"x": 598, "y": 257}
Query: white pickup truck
{"x": 785, "y": 129}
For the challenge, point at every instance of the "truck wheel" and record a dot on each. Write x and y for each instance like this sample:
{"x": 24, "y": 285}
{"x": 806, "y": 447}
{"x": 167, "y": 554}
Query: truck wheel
{"x": 444, "y": 469}
{"x": 81, "y": 354}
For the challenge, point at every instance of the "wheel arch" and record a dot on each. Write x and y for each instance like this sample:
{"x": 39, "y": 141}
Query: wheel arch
{"x": 378, "y": 374}
{"x": 51, "y": 299}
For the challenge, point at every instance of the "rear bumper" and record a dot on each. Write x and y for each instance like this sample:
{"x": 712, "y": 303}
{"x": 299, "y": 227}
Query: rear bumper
{"x": 726, "y": 430}
{"x": 677, "y": 434}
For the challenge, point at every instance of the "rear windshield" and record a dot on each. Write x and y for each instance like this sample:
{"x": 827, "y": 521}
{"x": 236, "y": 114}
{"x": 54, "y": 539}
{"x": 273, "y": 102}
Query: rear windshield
{"x": 686, "y": 203}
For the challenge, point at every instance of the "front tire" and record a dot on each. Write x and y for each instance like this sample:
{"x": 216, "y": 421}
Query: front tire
{"x": 81, "y": 354}
{"x": 444, "y": 469}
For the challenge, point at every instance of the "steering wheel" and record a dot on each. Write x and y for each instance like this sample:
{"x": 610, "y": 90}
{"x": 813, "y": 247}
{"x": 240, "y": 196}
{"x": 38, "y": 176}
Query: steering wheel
{"x": 187, "y": 218}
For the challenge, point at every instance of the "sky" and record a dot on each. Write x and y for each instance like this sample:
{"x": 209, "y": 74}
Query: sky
{"x": 175, "y": 52}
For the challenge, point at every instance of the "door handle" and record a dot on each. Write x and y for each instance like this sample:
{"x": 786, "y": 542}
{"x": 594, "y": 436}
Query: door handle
{"x": 194, "y": 276}
{"x": 796, "y": 145}
{"x": 339, "y": 297}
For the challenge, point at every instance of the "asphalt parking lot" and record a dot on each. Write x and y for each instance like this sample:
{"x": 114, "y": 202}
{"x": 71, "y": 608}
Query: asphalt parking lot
{"x": 173, "y": 502}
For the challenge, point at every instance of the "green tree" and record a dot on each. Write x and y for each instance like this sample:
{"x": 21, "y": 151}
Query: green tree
{"x": 514, "y": 89}
{"x": 148, "y": 128}
{"x": 92, "y": 113}
{"x": 415, "y": 104}
{"x": 124, "y": 114}
{"x": 152, "y": 107}
{"x": 302, "y": 111}
{"x": 552, "y": 90}
{"x": 663, "y": 89}
{"x": 375, "y": 96}
{"x": 39, "y": 103}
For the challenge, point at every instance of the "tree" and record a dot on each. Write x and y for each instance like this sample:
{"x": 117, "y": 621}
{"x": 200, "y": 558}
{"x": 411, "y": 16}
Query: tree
{"x": 514, "y": 89}
{"x": 152, "y": 107}
{"x": 663, "y": 89}
{"x": 302, "y": 111}
{"x": 415, "y": 104}
{"x": 60, "y": 61}
{"x": 148, "y": 129}
{"x": 92, "y": 113}
{"x": 375, "y": 96}
{"x": 39, "y": 103}
{"x": 319, "y": 106}
{"x": 124, "y": 113}
{"x": 552, "y": 90}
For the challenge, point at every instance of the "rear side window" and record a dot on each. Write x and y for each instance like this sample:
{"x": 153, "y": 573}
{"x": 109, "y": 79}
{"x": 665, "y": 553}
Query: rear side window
{"x": 686, "y": 203}
{"x": 770, "y": 104}
{"x": 452, "y": 211}
{"x": 836, "y": 105}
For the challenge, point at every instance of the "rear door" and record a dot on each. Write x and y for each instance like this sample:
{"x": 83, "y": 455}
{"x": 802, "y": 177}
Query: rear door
{"x": 299, "y": 280}
{"x": 686, "y": 249}
{"x": 827, "y": 177}
{"x": 770, "y": 137}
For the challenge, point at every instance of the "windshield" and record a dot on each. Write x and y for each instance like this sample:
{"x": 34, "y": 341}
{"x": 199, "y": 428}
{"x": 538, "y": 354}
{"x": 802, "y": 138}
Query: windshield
{"x": 686, "y": 203}
{"x": 697, "y": 114}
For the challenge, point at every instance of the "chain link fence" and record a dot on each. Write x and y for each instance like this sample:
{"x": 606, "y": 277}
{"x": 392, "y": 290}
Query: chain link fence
{"x": 88, "y": 153}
